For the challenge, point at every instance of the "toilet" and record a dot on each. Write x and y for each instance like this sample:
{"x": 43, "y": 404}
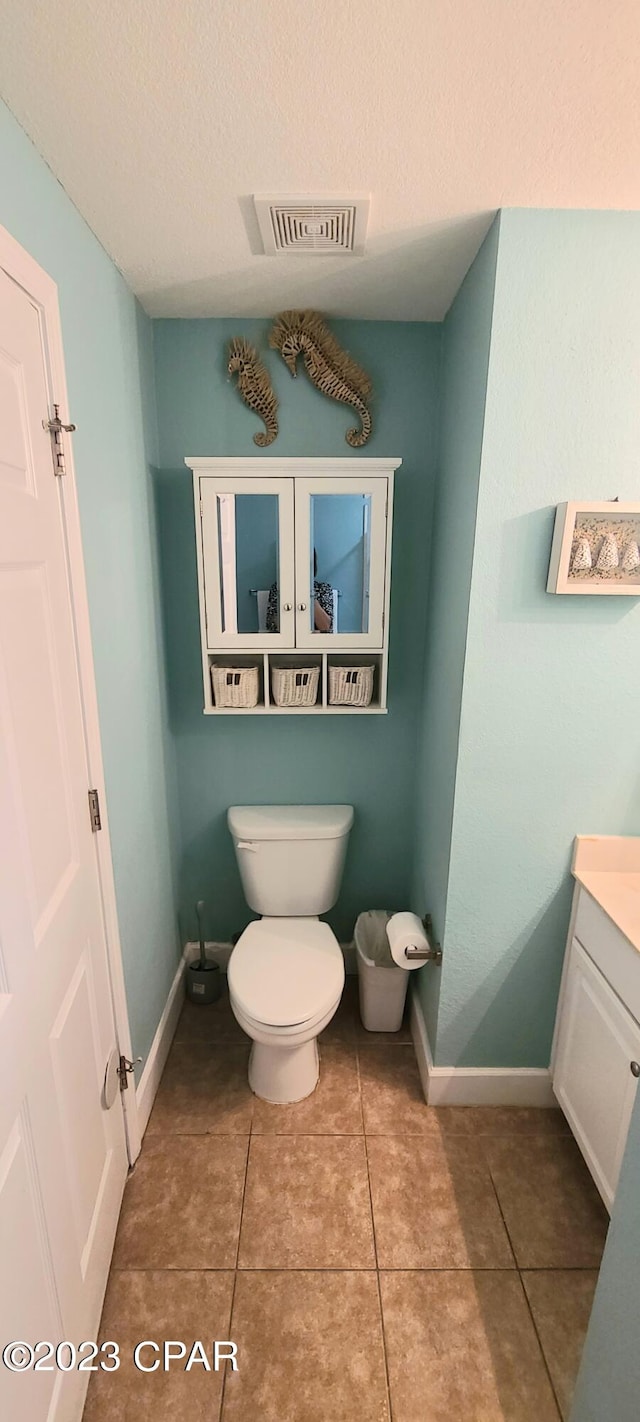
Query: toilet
{"x": 286, "y": 972}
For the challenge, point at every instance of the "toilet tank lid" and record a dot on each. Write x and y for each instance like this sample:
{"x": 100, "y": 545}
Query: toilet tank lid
{"x": 289, "y": 821}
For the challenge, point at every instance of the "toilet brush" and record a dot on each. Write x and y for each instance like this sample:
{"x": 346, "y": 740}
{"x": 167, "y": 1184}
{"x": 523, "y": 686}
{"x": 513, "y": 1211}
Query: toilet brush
{"x": 203, "y": 977}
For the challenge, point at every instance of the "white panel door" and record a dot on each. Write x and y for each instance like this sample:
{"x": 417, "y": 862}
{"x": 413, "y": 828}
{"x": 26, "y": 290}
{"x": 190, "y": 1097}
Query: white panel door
{"x": 341, "y": 540}
{"x": 598, "y": 1040}
{"x": 63, "y": 1160}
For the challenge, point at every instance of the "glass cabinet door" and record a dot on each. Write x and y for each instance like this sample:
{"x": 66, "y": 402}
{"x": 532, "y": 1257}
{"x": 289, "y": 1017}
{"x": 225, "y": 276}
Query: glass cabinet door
{"x": 247, "y": 551}
{"x": 340, "y": 562}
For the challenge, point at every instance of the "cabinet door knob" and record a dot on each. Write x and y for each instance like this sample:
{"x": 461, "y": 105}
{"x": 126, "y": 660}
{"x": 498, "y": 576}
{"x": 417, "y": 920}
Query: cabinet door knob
{"x": 635, "y": 1068}
{"x": 286, "y": 607}
{"x": 302, "y": 607}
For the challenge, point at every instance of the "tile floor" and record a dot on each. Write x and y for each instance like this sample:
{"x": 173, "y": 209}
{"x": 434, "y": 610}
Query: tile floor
{"x": 374, "y": 1259}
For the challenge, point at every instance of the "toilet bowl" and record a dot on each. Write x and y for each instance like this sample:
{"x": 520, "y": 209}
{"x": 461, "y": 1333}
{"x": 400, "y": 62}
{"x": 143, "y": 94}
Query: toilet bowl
{"x": 286, "y": 972}
{"x": 285, "y": 977}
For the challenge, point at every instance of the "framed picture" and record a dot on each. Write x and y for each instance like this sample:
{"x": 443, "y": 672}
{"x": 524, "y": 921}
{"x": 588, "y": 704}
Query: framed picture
{"x": 596, "y": 549}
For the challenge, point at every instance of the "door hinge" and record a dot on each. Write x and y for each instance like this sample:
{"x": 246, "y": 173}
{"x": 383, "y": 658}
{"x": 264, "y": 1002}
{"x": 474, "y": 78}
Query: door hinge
{"x": 125, "y": 1067}
{"x": 56, "y": 430}
{"x": 94, "y": 810}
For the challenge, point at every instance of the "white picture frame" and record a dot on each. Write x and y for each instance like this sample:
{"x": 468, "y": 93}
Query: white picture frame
{"x": 596, "y": 549}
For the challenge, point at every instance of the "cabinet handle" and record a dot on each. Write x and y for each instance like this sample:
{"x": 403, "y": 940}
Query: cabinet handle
{"x": 302, "y": 607}
{"x": 286, "y": 607}
{"x": 635, "y": 1068}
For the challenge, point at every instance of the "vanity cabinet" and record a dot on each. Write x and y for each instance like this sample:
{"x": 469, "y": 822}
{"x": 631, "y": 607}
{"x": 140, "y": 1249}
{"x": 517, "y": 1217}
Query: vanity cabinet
{"x": 294, "y": 567}
{"x": 596, "y": 1055}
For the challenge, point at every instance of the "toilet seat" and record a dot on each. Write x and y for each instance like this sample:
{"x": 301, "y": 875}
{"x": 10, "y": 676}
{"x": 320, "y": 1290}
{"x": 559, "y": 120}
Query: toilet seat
{"x": 286, "y": 1036}
{"x": 286, "y": 973}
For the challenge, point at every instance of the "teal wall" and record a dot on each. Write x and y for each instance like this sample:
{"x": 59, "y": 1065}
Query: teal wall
{"x": 608, "y": 1383}
{"x": 465, "y": 362}
{"x": 366, "y": 761}
{"x": 108, "y": 352}
{"x": 549, "y": 727}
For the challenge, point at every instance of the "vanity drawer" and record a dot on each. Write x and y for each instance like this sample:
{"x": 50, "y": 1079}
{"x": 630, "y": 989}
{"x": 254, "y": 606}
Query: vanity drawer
{"x": 608, "y": 948}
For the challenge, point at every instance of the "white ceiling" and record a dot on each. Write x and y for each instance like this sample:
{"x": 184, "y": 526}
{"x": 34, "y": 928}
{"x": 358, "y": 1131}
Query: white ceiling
{"x": 162, "y": 117}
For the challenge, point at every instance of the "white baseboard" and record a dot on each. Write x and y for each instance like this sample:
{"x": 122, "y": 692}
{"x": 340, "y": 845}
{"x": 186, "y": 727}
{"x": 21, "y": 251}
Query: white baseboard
{"x": 418, "y": 1028}
{"x": 159, "y": 1050}
{"x": 475, "y": 1086}
{"x": 491, "y": 1086}
{"x": 221, "y": 952}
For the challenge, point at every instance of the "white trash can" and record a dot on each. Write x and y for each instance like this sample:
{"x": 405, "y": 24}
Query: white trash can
{"x": 382, "y": 984}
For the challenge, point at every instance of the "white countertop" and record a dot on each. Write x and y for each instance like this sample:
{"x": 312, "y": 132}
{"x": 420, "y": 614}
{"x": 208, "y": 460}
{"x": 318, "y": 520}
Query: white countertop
{"x": 608, "y": 867}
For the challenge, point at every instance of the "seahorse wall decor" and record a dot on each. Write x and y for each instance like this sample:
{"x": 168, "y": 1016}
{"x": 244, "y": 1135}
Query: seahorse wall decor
{"x": 331, "y": 370}
{"x": 254, "y": 387}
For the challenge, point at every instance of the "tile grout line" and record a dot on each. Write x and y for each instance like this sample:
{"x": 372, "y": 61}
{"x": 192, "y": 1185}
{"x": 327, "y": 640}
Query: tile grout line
{"x": 544, "y": 1356}
{"x": 428, "y": 1136}
{"x": 501, "y": 1213}
{"x": 375, "y": 1247}
{"x": 253, "y": 1113}
{"x": 328, "y": 1269}
{"x": 244, "y": 1191}
{"x": 526, "y": 1296}
{"x": 235, "y": 1274}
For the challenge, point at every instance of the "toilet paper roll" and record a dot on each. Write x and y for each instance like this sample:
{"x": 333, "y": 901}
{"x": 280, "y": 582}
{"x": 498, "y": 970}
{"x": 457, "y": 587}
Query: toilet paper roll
{"x": 405, "y": 930}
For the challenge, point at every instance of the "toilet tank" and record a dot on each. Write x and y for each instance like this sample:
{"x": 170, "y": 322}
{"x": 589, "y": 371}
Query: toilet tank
{"x": 290, "y": 857}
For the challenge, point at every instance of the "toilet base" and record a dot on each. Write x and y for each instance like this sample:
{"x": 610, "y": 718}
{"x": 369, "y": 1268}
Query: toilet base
{"x": 284, "y": 1075}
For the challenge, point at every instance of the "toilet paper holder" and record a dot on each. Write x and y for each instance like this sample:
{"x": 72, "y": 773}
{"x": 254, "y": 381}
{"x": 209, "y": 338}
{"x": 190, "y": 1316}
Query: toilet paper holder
{"x": 432, "y": 953}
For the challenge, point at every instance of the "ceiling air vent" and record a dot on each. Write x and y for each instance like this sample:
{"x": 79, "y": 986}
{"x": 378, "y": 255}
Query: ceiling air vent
{"x": 315, "y": 225}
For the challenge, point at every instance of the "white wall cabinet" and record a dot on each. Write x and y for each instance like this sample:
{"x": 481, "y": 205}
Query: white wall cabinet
{"x": 596, "y": 1058}
{"x": 294, "y": 561}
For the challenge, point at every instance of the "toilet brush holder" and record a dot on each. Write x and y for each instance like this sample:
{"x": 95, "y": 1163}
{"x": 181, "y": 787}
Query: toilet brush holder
{"x": 203, "y": 983}
{"x": 203, "y": 977}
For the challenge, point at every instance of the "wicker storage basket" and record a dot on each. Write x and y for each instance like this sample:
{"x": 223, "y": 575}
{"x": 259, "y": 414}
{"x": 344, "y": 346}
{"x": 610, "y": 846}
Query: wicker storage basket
{"x": 350, "y": 686}
{"x": 235, "y": 686}
{"x": 295, "y": 686}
